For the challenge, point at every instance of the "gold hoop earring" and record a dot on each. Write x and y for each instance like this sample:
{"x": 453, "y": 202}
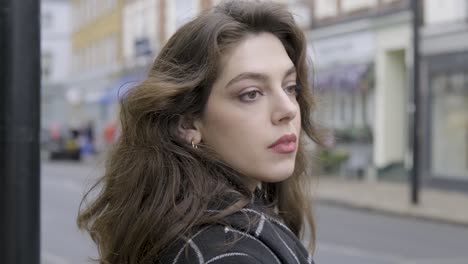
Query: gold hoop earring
{"x": 194, "y": 145}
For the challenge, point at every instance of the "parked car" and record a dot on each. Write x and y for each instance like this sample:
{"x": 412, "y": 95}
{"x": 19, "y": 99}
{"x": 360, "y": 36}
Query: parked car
{"x": 65, "y": 148}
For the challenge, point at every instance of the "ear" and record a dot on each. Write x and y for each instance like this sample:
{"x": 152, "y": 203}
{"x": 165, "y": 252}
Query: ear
{"x": 189, "y": 130}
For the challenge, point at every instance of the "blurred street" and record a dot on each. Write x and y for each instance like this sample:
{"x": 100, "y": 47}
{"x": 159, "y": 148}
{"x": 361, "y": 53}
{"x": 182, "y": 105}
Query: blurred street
{"x": 361, "y": 237}
{"x": 344, "y": 235}
{"x": 62, "y": 187}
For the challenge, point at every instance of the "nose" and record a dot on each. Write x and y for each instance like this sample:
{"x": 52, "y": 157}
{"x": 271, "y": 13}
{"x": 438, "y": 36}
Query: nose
{"x": 285, "y": 108}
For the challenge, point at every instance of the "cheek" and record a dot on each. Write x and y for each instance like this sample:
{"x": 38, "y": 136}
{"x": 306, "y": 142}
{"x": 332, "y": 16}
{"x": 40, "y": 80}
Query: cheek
{"x": 218, "y": 117}
{"x": 225, "y": 125}
{"x": 227, "y": 118}
{"x": 218, "y": 122}
{"x": 297, "y": 121}
{"x": 235, "y": 134}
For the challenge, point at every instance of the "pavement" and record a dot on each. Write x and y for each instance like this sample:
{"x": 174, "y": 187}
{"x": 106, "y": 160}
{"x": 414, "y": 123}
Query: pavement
{"x": 394, "y": 198}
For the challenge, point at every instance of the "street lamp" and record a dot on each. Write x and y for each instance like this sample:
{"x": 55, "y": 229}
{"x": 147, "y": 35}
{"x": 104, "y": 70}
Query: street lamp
{"x": 416, "y": 168}
{"x": 19, "y": 131}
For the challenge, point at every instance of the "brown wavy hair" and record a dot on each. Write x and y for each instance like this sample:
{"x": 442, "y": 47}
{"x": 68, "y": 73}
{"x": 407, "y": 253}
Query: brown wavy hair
{"x": 156, "y": 187}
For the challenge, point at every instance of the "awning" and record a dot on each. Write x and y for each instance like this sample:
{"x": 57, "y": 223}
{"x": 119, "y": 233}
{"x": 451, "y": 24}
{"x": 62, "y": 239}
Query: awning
{"x": 342, "y": 77}
{"x": 120, "y": 87}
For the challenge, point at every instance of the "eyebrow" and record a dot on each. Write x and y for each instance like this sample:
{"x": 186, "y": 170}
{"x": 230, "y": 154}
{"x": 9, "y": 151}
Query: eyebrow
{"x": 256, "y": 76}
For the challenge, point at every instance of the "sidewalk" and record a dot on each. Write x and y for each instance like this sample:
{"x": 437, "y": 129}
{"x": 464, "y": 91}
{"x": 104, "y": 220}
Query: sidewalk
{"x": 438, "y": 205}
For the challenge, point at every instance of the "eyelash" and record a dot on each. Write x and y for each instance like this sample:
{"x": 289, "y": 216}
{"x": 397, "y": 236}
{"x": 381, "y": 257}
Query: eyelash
{"x": 295, "y": 91}
{"x": 296, "y": 88}
{"x": 243, "y": 96}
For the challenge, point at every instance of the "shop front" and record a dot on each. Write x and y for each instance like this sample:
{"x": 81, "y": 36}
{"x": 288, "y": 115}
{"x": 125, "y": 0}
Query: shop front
{"x": 447, "y": 121}
{"x": 344, "y": 84}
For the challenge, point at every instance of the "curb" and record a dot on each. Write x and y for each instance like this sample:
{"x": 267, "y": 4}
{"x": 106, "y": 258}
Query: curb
{"x": 390, "y": 212}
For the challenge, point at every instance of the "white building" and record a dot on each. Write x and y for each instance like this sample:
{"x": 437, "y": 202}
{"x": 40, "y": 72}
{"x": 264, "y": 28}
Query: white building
{"x": 351, "y": 32}
{"x": 362, "y": 50}
{"x": 179, "y": 12}
{"x": 56, "y": 59}
{"x": 444, "y": 47}
{"x": 140, "y": 36}
{"x": 147, "y": 24}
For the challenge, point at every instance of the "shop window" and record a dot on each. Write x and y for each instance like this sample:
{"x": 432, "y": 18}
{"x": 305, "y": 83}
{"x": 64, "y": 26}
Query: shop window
{"x": 449, "y": 135}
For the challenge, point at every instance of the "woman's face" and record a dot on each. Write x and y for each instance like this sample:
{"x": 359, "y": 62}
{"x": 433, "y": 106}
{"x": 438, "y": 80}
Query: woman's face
{"x": 252, "y": 118}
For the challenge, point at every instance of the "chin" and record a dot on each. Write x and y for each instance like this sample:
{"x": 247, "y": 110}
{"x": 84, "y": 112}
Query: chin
{"x": 271, "y": 172}
{"x": 278, "y": 174}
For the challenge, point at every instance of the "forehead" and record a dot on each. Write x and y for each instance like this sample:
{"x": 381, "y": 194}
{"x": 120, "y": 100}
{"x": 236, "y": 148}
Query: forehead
{"x": 262, "y": 53}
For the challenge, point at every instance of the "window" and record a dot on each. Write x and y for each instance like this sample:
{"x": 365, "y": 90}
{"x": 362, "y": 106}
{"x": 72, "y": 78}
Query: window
{"x": 215, "y": 2}
{"x": 82, "y": 60}
{"x": 88, "y": 10}
{"x": 449, "y": 137}
{"x": 445, "y": 11}
{"x": 100, "y": 52}
{"x": 87, "y": 58}
{"x": 93, "y": 55}
{"x": 110, "y": 49}
{"x": 352, "y": 5}
{"x": 325, "y": 8}
{"x": 74, "y": 65}
{"x": 79, "y": 15}
{"x": 46, "y": 65}
{"x": 110, "y": 4}
{"x": 99, "y": 7}
{"x": 185, "y": 10}
{"x": 46, "y": 19}
{"x": 93, "y": 9}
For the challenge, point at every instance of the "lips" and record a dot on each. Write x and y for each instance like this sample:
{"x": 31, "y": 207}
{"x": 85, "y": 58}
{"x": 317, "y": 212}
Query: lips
{"x": 285, "y": 144}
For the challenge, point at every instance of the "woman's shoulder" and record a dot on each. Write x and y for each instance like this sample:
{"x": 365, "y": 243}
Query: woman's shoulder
{"x": 209, "y": 245}
{"x": 247, "y": 236}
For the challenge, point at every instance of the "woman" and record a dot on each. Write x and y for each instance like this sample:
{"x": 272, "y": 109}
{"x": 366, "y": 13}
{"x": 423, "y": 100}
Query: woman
{"x": 210, "y": 167}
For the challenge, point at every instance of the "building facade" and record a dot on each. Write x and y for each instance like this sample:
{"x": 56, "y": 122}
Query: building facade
{"x": 97, "y": 59}
{"x": 362, "y": 56}
{"x": 346, "y": 34}
{"x": 146, "y": 27}
{"x": 55, "y": 59}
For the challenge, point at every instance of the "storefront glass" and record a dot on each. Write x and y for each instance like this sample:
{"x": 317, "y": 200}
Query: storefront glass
{"x": 449, "y": 135}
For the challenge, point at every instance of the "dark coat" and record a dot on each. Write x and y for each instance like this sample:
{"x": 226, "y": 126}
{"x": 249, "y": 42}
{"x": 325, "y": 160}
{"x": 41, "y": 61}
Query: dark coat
{"x": 250, "y": 236}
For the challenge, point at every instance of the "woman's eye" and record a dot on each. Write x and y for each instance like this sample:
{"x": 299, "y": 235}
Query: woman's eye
{"x": 292, "y": 90}
{"x": 250, "y": 96}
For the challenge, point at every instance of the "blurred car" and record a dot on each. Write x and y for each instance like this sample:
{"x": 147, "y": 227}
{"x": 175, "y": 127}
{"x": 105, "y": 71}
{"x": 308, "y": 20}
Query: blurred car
{"x": 65, "y": 148}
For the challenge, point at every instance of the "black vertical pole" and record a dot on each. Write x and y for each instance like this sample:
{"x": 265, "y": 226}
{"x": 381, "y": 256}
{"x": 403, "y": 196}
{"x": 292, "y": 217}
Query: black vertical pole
{"x": 19, "y": 131}
{"x": 416, "y": 170}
